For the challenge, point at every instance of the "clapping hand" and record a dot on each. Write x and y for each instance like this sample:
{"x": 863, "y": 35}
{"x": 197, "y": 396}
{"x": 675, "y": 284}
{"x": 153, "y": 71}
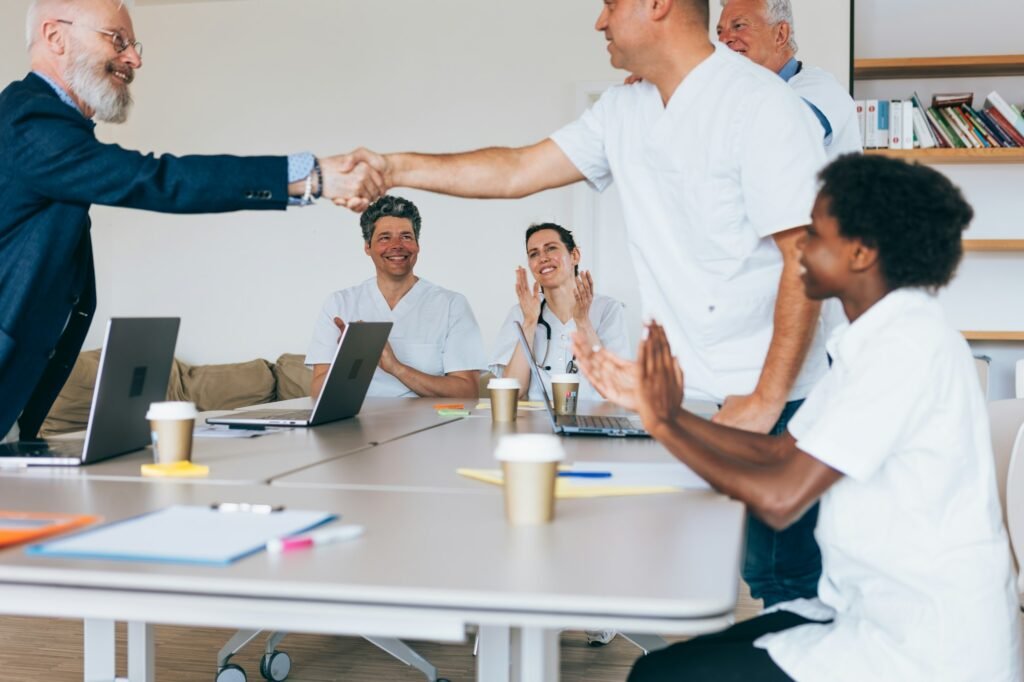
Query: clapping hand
{"x": 529, "y": 298}
{"x": 584, "y": 294}
{"x": 659, "y": 394}
{"x": 614, "y": 378}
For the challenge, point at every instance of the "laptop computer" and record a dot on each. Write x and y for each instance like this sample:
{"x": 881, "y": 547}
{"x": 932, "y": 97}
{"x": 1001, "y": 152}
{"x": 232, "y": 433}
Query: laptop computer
{"x": 135, "y": 367}
{"x": 592, "y": 425}
{"x": 344, "y": 387}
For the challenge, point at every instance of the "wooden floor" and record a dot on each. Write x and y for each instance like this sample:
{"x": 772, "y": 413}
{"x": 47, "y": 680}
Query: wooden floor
{"x": 39, "y": 650}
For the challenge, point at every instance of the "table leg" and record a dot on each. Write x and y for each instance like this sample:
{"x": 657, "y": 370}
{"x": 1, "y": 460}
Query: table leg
{"x": 538, "y": 659}
{"x": 98, "y": 651}
{"x": 141, "y": 653}
{"x": 492, "y": 661}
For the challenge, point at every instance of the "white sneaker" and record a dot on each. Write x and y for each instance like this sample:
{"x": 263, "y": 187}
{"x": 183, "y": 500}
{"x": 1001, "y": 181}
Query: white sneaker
{"x": 599, "y": 637}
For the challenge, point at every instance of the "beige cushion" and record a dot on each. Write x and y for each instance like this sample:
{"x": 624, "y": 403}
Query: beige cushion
{"x": 70, "y": 412}
{"x": 293, "y": 377}
{"x": 224, "y": 387}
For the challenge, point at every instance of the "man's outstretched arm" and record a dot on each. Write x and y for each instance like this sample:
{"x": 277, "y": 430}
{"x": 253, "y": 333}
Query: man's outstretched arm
{"x": 491, "y": 173}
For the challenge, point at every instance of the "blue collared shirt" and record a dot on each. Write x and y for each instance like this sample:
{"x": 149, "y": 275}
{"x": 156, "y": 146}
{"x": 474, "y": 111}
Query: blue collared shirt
{"x": 792, "y": 68}
{"x": 299, "y": 165}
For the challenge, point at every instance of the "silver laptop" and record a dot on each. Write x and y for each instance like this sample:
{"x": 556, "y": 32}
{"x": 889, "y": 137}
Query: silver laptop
{"x": 344, "y": 388}
{"x": 135, "y": 367}
{"x": 592, "y": 425}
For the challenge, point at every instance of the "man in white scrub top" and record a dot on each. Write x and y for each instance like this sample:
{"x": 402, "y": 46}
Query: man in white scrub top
{"x": 918, "y": 583}
{"x": 435, "y": 347}
{"x": 715, "y": 159}
{"x": 763, "y": 31}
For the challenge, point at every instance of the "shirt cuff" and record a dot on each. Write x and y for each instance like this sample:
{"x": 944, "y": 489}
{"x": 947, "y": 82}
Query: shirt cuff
{"x": 299, "y": 168}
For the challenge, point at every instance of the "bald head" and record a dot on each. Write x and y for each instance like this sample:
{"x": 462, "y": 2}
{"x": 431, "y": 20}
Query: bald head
{"x": 71, "y": 10}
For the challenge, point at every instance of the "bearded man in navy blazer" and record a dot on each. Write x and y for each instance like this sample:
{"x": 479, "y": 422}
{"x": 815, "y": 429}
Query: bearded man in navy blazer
{"x": 84, "y": 56}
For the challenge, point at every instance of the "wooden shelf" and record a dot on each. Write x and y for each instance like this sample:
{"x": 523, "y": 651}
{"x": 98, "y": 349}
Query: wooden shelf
{"x": 994, "y": 245}
{"x": 939, "y": 67}
{"x": 993, "y": 336}
{"x": 954, "y": 156}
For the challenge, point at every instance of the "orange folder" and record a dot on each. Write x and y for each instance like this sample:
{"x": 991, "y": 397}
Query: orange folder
{"x": 17, "y": 527}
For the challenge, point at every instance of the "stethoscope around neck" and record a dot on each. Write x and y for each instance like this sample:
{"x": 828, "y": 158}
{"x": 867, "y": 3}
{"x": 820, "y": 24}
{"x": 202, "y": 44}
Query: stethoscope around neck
{"x": 570, "y": 367}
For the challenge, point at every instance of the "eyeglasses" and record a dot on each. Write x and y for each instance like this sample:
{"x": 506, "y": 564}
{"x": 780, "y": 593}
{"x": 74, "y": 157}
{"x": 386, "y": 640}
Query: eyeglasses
{"x": 120, "y": 42}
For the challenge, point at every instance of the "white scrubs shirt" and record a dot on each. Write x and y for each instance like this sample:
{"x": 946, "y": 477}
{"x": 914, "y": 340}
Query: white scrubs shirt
{"x": 916, "y": 563}
{"x": 704, "y": 184}
{"x": 606, "y": 315}
{"x": 821, "y": 89}
{"x": 434, "y": 331}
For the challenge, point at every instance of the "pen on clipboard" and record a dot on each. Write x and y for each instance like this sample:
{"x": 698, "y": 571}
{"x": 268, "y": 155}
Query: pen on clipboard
{"x": 585, "y": 474}
{"x": 246, "y": 507}
{"x": 314, "y": 539}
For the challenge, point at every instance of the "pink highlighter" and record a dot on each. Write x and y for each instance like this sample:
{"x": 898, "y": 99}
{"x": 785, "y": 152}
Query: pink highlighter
{"x": 319, "y": 537}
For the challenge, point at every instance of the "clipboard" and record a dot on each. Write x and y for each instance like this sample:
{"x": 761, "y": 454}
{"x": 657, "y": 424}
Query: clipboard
{"x": 184, "y": 535}
{"x": 17, "y": 527}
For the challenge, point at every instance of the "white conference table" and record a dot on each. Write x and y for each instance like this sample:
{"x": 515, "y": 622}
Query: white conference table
{"x": 248, "y": 461}
{"x": 430, "y": 563}
{"x": 428, "y": 462}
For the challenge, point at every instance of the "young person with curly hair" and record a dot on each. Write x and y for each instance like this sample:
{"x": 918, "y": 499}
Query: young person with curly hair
{"x": 917, "y": 582}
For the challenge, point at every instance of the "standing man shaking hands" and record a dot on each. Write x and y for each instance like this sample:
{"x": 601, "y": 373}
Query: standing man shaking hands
{"x": 715, "y": 160}
{"x": 84, "y": 57}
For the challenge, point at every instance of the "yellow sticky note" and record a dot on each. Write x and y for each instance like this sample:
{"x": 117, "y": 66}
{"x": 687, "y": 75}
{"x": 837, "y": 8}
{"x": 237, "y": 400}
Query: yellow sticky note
{"x": 176, "y": 470}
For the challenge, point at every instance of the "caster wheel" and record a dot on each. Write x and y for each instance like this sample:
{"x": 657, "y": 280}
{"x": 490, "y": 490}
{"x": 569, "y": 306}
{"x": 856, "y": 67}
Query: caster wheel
{"x": 231, "y": 673}
{"x": 276, "y": 666}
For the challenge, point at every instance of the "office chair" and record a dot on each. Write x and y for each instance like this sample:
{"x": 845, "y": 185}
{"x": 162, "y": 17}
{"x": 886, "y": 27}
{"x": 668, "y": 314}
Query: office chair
{"x": 276, "y": 665}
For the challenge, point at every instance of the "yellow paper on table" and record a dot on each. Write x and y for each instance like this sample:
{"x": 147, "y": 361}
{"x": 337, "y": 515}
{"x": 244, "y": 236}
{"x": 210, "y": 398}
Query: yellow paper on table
{"x": 525, "y": 405}
{"x": 634, "y": 479}
{"x": 176, "y": 470}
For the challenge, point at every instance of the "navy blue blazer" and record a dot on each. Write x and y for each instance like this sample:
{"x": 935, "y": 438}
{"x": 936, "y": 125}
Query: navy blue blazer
{"x": 52, "y": 168}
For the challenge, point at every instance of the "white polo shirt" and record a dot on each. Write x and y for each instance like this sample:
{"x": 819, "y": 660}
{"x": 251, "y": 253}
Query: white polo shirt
{"x": 915, "y": 560}
{"x": 704, "y": 183}
{"x": 606, "y": 315}
{"x": 434, "y": 331}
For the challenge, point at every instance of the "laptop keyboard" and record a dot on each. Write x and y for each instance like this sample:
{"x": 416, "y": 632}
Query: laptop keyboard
{"x": 291, "y": 415}
{"x": 53, "y": 448}
{"x": 621, "y": 423}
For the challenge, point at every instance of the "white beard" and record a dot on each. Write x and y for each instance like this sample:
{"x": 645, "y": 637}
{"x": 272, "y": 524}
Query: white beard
{"x": 90, "y": 81}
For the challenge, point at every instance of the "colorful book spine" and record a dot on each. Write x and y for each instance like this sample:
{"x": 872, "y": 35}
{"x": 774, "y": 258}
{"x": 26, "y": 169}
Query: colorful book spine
{"x": 1005, "y": 126}
{"x": 996, "y": 101}
{"x": 861, "y": 121}
{"x": 908, "y": 123}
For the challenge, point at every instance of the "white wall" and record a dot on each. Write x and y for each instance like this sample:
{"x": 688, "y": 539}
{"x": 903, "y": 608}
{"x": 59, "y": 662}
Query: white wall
{"x": 274, "y": 76}
{"x": 986, "y": 292}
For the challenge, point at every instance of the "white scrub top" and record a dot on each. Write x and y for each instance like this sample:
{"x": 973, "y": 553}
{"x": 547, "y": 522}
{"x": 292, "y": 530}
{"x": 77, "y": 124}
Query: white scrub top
{"x": 915, "y": 560}
{"x": 606, "y": 315}
{"x": 434, "y": 331}
{"x": 821, "y": 89}
{"x": 704, "y": 184}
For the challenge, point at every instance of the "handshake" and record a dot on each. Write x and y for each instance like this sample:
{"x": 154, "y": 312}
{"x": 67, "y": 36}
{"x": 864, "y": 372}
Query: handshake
{"x": 355, "y": 180}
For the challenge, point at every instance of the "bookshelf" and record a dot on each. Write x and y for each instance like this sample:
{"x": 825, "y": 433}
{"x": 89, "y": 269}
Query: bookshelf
{"x": 955, "y": 156}
{"x": 939, "y": 67}
{"x": 956, "y": 67}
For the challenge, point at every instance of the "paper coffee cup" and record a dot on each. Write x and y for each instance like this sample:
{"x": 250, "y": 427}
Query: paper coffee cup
{"x": 565, "y": 389}
{"x": 529, "y": 463}
{"x": 170, "y": 427}
{"x": 504, "y": 399}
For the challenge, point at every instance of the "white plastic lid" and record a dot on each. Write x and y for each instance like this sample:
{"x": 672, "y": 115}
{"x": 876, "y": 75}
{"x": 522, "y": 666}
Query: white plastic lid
{"x": 172, "y": 410}
{"x": 506, "y": 382}
{"x": 565, "y": 378}
{"x": 530, "y": 447}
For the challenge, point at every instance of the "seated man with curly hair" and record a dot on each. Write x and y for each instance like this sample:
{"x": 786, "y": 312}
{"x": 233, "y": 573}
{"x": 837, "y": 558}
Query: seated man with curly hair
{"x": 917, "y": 582}
{"x": 435, "y": 348}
